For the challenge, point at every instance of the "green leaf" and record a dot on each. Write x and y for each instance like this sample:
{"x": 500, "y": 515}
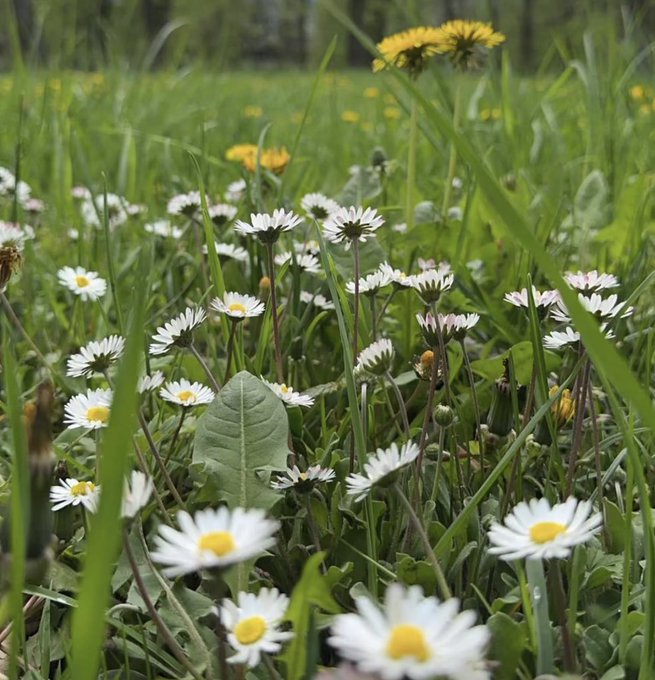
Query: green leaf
{"x": 244, "y": 430}
{"x": 508, "y": 640}
{"x": 522, "y": 354}
{"x": 312, "y": 590}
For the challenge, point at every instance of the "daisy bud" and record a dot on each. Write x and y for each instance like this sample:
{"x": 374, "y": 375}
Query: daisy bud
{"x": 444, "y": 415}
{"x": 10, "y": 260}
{"x": 501, "y": 413}
{"x": 264, "y": 288}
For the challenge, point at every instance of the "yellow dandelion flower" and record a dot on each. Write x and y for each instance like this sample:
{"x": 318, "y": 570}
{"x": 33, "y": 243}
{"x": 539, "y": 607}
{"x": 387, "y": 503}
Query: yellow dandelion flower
{"x": 638, "y": 92}
{"x": 392, "y": 113}
{"x": 409, "y": 49}
{"x": 371, "y": 93}
{"x": 463, "y": 40}
{"x": 645, "y": 109}
{"x": 275, "y": 160}
{"x": 563, "y": 409}
{"x": 350, "y": 116}
{"x": 367, "y": 126}
{"x": 239, "y": 152}
{"x": 253, "y": 111}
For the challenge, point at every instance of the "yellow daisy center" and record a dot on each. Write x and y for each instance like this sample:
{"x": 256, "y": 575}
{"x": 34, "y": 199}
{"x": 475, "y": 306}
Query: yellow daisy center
{"x": 82, "y": 281}
{"x": 250, "y": 630}
{"x": 219, "y": 542}
{"x": 82, "y": 488}
{"x": 98, "y": 414}
{"x": 186, "y": 395}
{"x": 237, "y": 307}
{"x": 408, "y": 640}
{"x": 545, "y": 532}
{"x": 284, "y": 389}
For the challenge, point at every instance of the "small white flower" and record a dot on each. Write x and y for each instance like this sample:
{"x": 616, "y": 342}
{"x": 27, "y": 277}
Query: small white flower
{"x": 267, "y": 228}
{"x": 430, "y": 283}
{"x": 457, "y": 183}
{"x": 184, "y": 204}
{"x": 288, "y": 395}
{"x": 12, "y": 234}
{"x": 222, "y": 213}
{"x": 136, "y": 494}
{"x": 73, "y": 492}
{"x": 536, "y": 531}
{"x": 559, "y": 339}
{"x": 235, "y": 190}
{"x": 163, "y": 228}
{"x": 93, "y": 211}
{"x": 95, "y": 357}
{"x": 591, "y": 281}
{"x": 400, "y": 228}
{"x": 519, "y": 298}
{"x": 457, "y": 325}
{"x": 309, "y": 247}
{"x": 455, "y": 213}
{"x": 178, "y": 331}
{"x": 306, "y": 262}
{"x": 80, "y": 193}
{"x": 253, "y": 623}
{"x": 186, "y": 393}
{"x": 412, "y": 636}
{"x": 602, "y": 308}
{"x": 148, "y": 383}
{"x": 228, "y": 250}
{"x": 381, "y": 468}
{"x": 303, "y": 481}
{"x": 376, "y": 358}
{"x": 90, "y": 410}
{"x": 370, "y": 284}
{"x": 9, "y": 187}
{"x": 213, "y": 538}
{"x": 73, "y": 234}
{"x": 317, "y": 300}
{"x": 34, "y": 205}
{"x": 351, "y": 224}
{"x": 238, "y": 306}
{"x": 88, "y": 285}
{"x": 396, "y": 276}
{"x": 318, "y": 206}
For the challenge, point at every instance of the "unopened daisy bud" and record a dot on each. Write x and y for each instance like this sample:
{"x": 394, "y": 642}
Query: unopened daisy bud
{"x": 10, "y": 260}
{"x": 444, "y": 415}
{"x": 376, "y": 358}
{"x": 501, "y": 413}
{"x": 264, "y": 288}
{"x": 379, "y": 158}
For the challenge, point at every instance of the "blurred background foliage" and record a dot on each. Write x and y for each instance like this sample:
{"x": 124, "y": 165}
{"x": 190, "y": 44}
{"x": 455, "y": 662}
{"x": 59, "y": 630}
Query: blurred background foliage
{"x": 147, "y": 34}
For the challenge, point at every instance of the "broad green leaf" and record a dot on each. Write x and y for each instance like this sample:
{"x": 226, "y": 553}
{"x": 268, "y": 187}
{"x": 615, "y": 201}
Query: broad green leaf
{"x": 508, "y": 640}
{"x": 242, "y": 436}
{"x": 522, "y": 354}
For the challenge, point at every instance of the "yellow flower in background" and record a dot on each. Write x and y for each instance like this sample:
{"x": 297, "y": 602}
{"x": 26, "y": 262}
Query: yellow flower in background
{"x": 463, "y": 40}
{"x": 239, "y": 152}
{"x": 645, "y": 109}
{"x": 392, "y": 113}
{"x": 371, "y": 92}
{"x": 367, "y": 126}
{"x": 274, "y": 159}
{"x": 350, "y": 116}
{"x": 638, "y": 92}
{"x": 253, "y": 111}
{"x": 563, "y": 409}
{"x": 490, "y": 114}
{"x": 408, "y": 50}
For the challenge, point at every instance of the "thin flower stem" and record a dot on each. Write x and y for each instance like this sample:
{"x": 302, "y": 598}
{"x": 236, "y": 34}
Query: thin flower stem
{"x": 355, "y": 243}
{"x": 230, "y": 347}
{"x": 210, "y": 376}
{"x": 110, "y": 262}
{"x": 145, "y": 468}
{"x": 162, "y": 628}
{"x": 411, "y": 165}
{"x": 596, "y": 438}
{"x": 423, "y": 439}
{"x": 394, "y": 417}
{"x": 374, "y": 325}
{"x": 274, "y": 316}
{"x": 418, "y": 525}
{"x": 476, "y": 411}
{"x": 401, "y": 403}
{"x": 580, "y": 402}
{"x": 555, "y": 573}
{"x": 452, "y": 160}
{"x": 176, "y": 434}
{"x": 387, "y": 302}
{"x": 313, "y": 529}
{"x": 437, "y": 474}
{"x": 270, "y": 667}
{"x": 220, "y": 633}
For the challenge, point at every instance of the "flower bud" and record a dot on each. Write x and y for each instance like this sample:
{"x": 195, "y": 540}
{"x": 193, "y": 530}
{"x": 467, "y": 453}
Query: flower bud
{"x": 444, "y": 415}
{"x": 264, "y": 288}
{"x": 500, "y": 418}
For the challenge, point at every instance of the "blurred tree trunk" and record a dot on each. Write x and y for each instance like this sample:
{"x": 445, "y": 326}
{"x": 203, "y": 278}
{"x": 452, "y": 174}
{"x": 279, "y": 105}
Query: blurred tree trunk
{"x": 24, "y": 11}
{"x": 449, "y": 10}
{"x": 156, "y": 14}
{"x": 357, "y": 54}
{"x": 527, "y": 34}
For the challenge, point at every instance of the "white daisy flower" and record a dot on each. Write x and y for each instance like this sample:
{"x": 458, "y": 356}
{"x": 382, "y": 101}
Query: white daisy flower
{"x": 317, "y": 300}
{"x": 229, "y": 250}
{"x": 222, "y": 213}
{"x": 591, "y": 281}
{"x": 186, "y": 393}
{"x": 178, "y": 331}
{"x": 381, "y": 468}
{"x": 400, "y": 228}
{"x": 305, "y": 262}
{"x": 90, "y": 410}
{"x": 455, "y": 213}
{"x": 413, "y": 637}
{"x": 73, "y": 492}
{"x": 318, "y": 206}
{"x": 12, "y": 234}
{"x": 519, "y": 298}
{"x": 267, "y": 228}
{"x": 184, "y": 204}
{"x": 536, "y": 531}
{"x": 457, "y": 183}
{"x": 238, "y": 306}
{"x": 80, "y": 193}
{"x": 136, "y": 494}
{"x": 559, "y": 339}
{"x": 212, "y": 539}
{"x": 235, "y": 190}
{"x": 95, "y": 357}
{"x": 9, "y": 186}
{"x": 73, "y": 234}
{"x": 93, "y": 210}
{"x": 309, "y": 247}
{"x": 431, "y": 283}
{"x": 34, "y": 205}
{"x": 253, "y": 623}
{"x": 396, "y": 276}
{"x": 88, "y": 285}
{"x": 370, "y": 284}
{"x": 602, "y": 308}
{"x": 288, "y": 395}
{"x": 163, "y": 228}
{"x": 457, "y": 325}
{"x": 352, "y": 224}
{"x": 376, "y": 358}
{"x": 148, "y": 383}
{"x": 303, "y": 481}
{"x": 136, "y": 209}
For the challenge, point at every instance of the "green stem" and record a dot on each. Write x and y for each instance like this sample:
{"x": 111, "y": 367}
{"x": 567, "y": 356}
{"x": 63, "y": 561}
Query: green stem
{"x": 176, "y": 434}
{"x": 452, "y": 160}
{"x": 276, "y": 323}
{"x": 435, "y": 485}
{"x": 230, "y": 347}
{"x": 411, "y": 165}
{"x": 214, "y": 383}
{"x": 355, "y": 244}
{"x": 539, "y": 594}
{"x": 401, "y": 403}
